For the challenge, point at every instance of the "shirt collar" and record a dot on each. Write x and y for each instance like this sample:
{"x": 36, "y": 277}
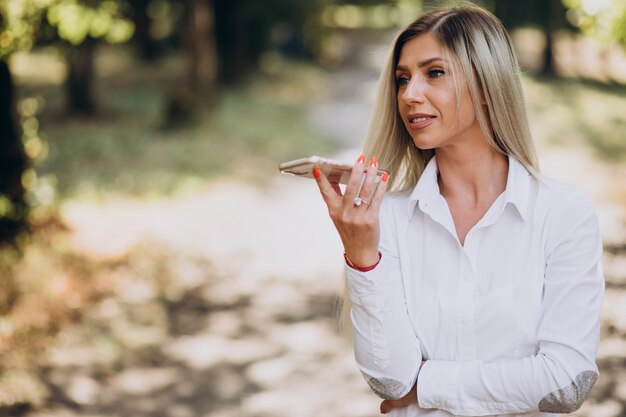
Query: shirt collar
{"x": 427, "y": 188}
{"x": 516, "y": 192}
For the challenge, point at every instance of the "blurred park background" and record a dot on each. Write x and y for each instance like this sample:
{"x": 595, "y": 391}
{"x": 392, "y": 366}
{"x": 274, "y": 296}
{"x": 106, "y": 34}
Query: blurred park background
{"x": 152, "y": 260}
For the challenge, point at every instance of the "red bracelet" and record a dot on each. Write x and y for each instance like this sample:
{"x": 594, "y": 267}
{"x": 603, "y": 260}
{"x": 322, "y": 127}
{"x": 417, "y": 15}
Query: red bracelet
{"x": 359, "y": 268}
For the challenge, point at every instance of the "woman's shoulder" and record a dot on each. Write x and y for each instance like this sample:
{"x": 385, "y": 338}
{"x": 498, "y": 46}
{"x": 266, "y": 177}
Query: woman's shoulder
{"x": 560, "y": 192}
{"x": 564, "y": 202}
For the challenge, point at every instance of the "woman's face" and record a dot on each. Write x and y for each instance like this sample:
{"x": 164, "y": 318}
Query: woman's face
{"x": 427, "y": 97}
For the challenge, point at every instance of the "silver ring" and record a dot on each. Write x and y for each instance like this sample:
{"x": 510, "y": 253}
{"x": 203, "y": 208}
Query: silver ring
{"x": 358, "y": 201}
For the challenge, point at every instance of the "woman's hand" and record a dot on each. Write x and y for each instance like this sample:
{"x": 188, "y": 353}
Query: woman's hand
{"x": 358, "y": 225}
{"x": 410, "y": 398}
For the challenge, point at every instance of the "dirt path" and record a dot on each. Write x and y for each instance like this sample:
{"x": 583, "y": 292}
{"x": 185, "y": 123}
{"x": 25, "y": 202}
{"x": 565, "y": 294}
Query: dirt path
{"x": 226, "y": 296}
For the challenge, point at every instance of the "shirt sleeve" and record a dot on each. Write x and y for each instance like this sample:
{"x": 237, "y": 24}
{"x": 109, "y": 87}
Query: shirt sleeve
{"x": 558, "y": 378}
{"x": 386, "y": 349}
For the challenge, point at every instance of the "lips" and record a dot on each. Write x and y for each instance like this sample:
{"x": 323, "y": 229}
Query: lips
{"x": 419, "y": 120}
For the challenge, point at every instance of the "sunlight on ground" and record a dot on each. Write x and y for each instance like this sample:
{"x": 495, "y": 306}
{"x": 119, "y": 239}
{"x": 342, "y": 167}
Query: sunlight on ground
{"x": 230, "y": 222}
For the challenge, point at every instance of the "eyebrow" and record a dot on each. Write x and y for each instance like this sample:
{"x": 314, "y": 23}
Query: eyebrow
{"x": 421, "y": 63}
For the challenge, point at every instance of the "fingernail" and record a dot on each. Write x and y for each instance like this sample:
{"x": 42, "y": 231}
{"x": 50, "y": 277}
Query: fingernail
{"x": 385, "y": 176}
{"x": 373, "y": 162}
{"x": 316, "y": 173}
{"x": 361, "y": 159}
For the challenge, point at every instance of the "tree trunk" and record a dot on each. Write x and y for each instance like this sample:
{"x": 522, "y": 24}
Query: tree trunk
{"x": 231, "y": 42}
{"x": 555, "y": 14}
{"x": 199, "y": 80}
{"x": 80, "y": 78}
{"x": 13, "y": 162}
{"x": 147, "y": 47}
{"x": 203, "y": 62}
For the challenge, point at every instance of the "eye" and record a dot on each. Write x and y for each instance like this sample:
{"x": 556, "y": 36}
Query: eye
{"x": 435, "y": 73}
{"x": 402, "y": 80}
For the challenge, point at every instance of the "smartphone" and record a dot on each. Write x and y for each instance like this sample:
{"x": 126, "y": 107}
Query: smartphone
{"x": 336, "y": 172}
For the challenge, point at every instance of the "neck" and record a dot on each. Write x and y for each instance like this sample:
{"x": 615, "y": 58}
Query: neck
{"x": 473, "y": 175}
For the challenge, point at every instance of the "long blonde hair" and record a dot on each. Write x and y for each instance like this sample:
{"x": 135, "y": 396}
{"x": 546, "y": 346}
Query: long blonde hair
{"x": 480, "y": 44}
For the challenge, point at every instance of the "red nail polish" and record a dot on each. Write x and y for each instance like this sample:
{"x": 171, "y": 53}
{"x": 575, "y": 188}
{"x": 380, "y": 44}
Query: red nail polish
{"x": 385, "y": 176}
{"x": 316, "y": 173}
{"x": 373, "y": 162}
{"x": 361, "y": 159}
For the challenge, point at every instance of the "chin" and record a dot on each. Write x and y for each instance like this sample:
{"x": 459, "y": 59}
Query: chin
{"x": 424, "y": 146}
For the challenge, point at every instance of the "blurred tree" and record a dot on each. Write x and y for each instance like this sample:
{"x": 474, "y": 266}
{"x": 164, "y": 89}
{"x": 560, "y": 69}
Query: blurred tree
{"x": 22, "y": 24}
{"x": 198, "y": 82}
{"x": 548, "y": 15}
{"x": 554, "y": 19}
{"x": 75, "y": 25}
{"x": 223, "y": 41}
{"x": 146, "y": 44}
{"x": 604, "y": 20}
{"x": 244, "y": 29}
{"x": 13, "y": 163}
{"x": 18, "y": 24}
{"x": 79, "y": 24}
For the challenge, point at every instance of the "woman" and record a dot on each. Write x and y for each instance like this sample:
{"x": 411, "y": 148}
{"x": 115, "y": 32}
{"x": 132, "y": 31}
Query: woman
{"x": 476, "y": 286}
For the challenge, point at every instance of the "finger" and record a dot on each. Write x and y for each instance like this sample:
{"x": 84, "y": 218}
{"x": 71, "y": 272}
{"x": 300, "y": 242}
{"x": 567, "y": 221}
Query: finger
{"x": 387, "y": 405}
{"x": 335, "y": 186}
{"x": 368, "y": 187}
{"x": 330, "y": 194}
{"x": 381, "y": 188}
{"x": 356, "y": 176}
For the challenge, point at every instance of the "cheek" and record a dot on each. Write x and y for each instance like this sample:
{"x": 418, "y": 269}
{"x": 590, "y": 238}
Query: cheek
{"x": 459, "y": 113}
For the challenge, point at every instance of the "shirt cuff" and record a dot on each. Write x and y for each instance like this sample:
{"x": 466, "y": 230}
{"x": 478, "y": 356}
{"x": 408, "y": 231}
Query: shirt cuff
{"x": 437, "y": 384}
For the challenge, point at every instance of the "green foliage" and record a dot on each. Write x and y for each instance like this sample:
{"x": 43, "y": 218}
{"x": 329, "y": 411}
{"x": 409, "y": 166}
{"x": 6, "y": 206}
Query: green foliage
{"x": 73, "y": 20}
{"x": 376, "y": 16}
{"x": 19, "y": 22}
{"x": 604, "y": 20}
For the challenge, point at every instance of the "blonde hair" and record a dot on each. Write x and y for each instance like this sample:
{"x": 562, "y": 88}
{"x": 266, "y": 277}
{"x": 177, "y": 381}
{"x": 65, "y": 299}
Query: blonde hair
{"x": 482, "y": 48}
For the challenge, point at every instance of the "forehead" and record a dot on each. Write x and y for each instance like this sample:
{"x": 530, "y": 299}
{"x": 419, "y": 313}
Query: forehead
{"x": 420, "y": 48}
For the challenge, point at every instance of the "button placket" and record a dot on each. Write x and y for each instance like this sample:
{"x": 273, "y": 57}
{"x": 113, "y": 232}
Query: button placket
{"x": 465, "y": 318}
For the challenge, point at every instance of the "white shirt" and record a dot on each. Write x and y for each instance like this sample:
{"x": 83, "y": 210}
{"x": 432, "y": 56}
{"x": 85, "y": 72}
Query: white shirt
{"x": 508, "y": 323}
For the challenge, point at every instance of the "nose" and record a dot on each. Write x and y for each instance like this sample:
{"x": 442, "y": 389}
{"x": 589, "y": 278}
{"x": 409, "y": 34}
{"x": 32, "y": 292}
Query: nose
{"x": 414, "y": 91}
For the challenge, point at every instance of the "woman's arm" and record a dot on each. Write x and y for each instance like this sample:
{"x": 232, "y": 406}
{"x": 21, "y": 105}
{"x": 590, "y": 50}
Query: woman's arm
{"x": 559, "y": 377}
{"x": 386, "y": 350}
